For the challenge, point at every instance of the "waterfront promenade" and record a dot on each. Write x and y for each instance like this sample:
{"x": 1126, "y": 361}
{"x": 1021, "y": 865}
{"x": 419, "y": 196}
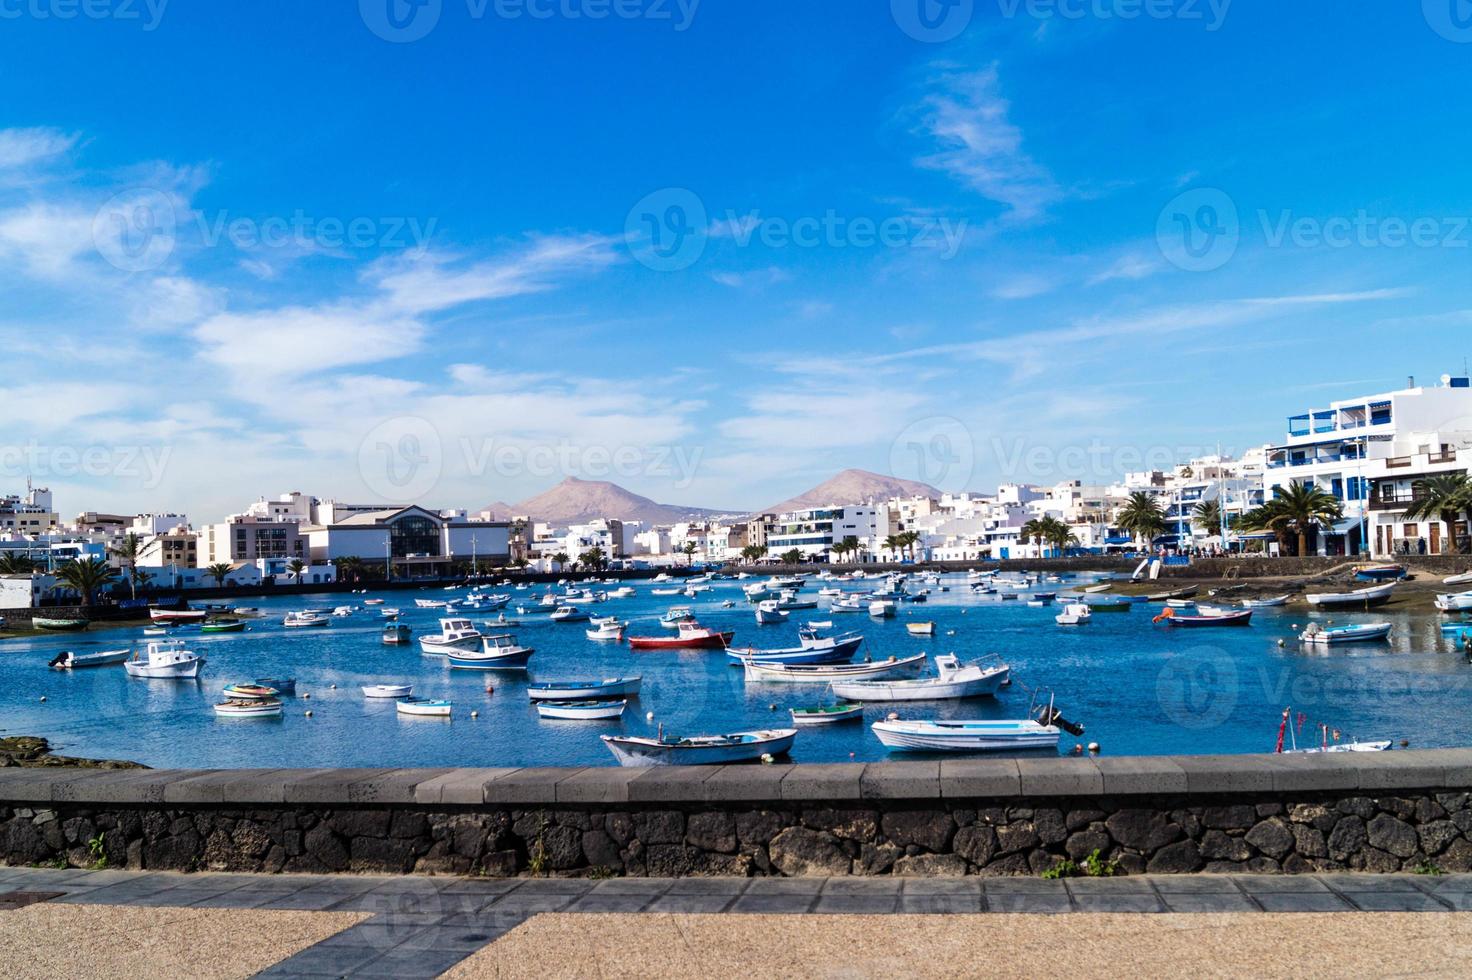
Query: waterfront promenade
{"x": 125, "y": 923}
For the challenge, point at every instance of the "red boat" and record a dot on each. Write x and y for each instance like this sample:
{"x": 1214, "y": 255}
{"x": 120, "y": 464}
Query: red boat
{"x": 692, "y": 636}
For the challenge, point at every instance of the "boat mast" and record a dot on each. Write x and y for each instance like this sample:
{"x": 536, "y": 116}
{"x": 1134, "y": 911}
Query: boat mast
{"x": 1282, "y": 728}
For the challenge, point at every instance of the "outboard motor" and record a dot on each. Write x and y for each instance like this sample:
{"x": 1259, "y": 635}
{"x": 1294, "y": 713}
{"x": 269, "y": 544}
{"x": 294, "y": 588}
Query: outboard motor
{"x": 62, "y": 659}
{"x": 1050, "y": 715}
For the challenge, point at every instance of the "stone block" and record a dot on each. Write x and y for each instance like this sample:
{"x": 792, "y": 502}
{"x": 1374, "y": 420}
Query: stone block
{"x": 1227, "y": 773}
{"x": 534, "y": 786}
{"x": 596, "y": 785}
{"x": 979, "y": 779}
{"x": 835, "y": 782}
{"x": 901, "y": 781}
{"x": 1141, "y": 776}
{"x": 465, "y": 787}
{"x": 1060, "y": 777}
{"x": 670, "y": 784}
{"x": 750, "y": 783}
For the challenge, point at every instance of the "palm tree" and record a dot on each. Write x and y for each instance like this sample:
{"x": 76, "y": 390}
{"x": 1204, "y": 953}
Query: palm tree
{"x": 911, "y": 538}
{"x": 1304, "y": 509}
{"x": 561, "y": 558}
{"x": 127, "y": 551}
{"x": 793, "y": 557}
{"x": 752, "y": 553}
{"x": 689, "y": 552}
{"x": 593, "y": 558}
{"x": 894, "y": 544}
{"x": 1037, "y": 530}
{"x": 1208, "y": 515}
{"x": 218, "y": 571}
{"x": 86, "y": 576}
{"x": 1445, "y": 497}
{"x": 1266, "y": 518}
{"x": 349, "y": 569}
{"x": 296, "y": 567}
{"x": 1142, "y": 517}
{"x": 12, "y": 563}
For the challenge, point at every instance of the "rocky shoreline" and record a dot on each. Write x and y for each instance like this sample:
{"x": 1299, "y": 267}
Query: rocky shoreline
{"x": 34, "y": 752}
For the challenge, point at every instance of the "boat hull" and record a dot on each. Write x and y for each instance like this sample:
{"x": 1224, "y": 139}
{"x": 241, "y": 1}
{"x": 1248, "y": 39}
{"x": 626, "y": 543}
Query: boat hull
{"x": 517, "y": 660}
{"x": 587, "y": 690}
{"x": 636, "y": 752}
{"x": 930, "y": 689}
{"x": 601, "y": 711}
{"x": 714, "y": 641}
{"x": 820, "y": 674}
{"x": 964, "y": 736}
{"x": 804, "y": 718}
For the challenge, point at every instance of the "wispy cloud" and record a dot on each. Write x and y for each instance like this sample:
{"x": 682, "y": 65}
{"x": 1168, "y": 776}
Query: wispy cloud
{"x": 1132, "y": 267}
{"x": 24, "y": 147}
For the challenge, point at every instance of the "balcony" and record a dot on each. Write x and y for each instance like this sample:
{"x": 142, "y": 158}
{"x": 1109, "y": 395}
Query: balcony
{"x": 1397, "y": 503}
{"x": 1437, "y": 458}
{"x": 1400, "y": 462}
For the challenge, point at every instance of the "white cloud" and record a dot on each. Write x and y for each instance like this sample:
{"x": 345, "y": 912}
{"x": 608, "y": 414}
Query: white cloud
{"x": 21, "y": 148}
{"x": 1130, "y": 267}
{"x": 1024, "y": 286}
{"x": 757, "y": 278}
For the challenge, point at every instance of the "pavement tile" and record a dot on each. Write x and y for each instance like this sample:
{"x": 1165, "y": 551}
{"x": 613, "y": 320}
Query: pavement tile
{"x": 610, "y": 903}
{"x": 690, "y": 904}
{"x": 785, "y": 886}
{"x": 877, "y": 904}
{"x": 526, "y": 904}
{"x": 941, "y": 904}
{"x": 943, "y": 886}
{"x": 1208, "y": 902}
{"x": 411, "y": 964}
{"x": 1403, "y": 884}
{"x": 321, "y": 958}
{"x": 1195, "y": 885}
{"x": 1395, "y": 902}
{"x": 1118, "y": 903}
{"x": 555, "y": 886}
{"x": 633, "y": 886}
{"x": 1302, "y": 902}
{"x": 1110, "y": 886}
{"x": 774, "y": 904}
{"x": 728, "y": 887}
{"x": 1023, "y": 886}
{"x": 1024, "y": 904}
{"x": 863, "y": 886}
{"x": 1278, "y": 884}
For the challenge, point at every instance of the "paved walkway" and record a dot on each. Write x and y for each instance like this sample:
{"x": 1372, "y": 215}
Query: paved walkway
{"x": 421, "y": 927}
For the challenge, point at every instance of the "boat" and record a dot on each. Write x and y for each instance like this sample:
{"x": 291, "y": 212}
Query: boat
{"x": 1094, "y": 589}
{"x": 692, "y": 636}
{"x": 1325, "y": 745}
{"x": 430, "y": 603}
{"x": 1207, "y": 618}
{"x": 455, "y": 636}
{"x": 814, "y": 649}
{"x": 396, "y": 634}
{"x": 372, "y": 602}
{"x": 500, "y": 652}
{"x": 223, "y": 626}
{"x": 569, "y": 614}
{"x": 1180, "y": 603}
{"x": 247, "y": 612}
{"x": 67, "y": 660}
{"x": 285, "y": 686}
{"x": 424, "y": 707}
{"x": 501, "y": 622}
{"x": 250, "y": 692}
{"x": 676, "y": 616}
{"x": 1373, "y": 596}
{"x": 882, "y": 609}
{"x": 1075, "y": 614}
{"x": 770, "y": 613}
{"x": 920, "y": 629}
{"x": 1380, "y": 573}
{"x": 1272, "y": 603}
{"x": 581, "y": 710}
{"x": 827, "y": 714}
{"x": 177, "y": 615}
{"x": 388, "y": 613}
{"x": 607, "y": 632}
{"x": 1108, "y": 605}
{"x": 623, "y": 592}
{"x": 1185, "y": 593}
{"x": 304, "y": 619}
{"x": 1454, "y": 602}
{"x": 608, "y": 688}
{"x": 165, "y": 659}
{"x": 974, "y": 680}
{"x": 853, "y": 605}
{"x": 827, "y": 673}
{"x": 1463, "y": 579}
{"x": 965, "y": 736}
{"x": 263, "y": 708}
{"x": 699, "y": 750}
{"x": 58, "y": 625}
{"x": 666, "y": 592}
{"x": 342, "y": 612}
{"x": 1360, "y": 633}
{"x": 388, "y": 690}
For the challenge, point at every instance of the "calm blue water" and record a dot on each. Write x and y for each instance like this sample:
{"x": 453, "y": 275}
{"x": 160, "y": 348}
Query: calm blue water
{"x": 1140, "y": 689}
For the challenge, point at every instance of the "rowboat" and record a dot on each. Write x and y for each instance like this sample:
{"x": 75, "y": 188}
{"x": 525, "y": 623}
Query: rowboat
{"x": 389, "y": 614}
{"x": 455, "y": 636}
{"x": 1281, "y": 600}
{"x": 165, "y": 659}
{"x": 1207, "y": 618}
{"x": 846, "y": 606}
{"x": 1380, "y": 573}
{"x": 304, "y": 619}
{"x": 612, "y": 687}
{"x": 699, "y": 750}
{"x": 665, "y": 592}
{"x": 372, "y": 602}
{"x": 430, "y": 603}
{"x": 1108, "y": 605}
{"x": 1185, "y": 593}
{"x": 1074, "y": 614}
{"x": 920, "y": 629}
{"x": 1325, "y": 745}
{"x": 249, "y": 692}
{"x": 581, "y": 710}
{"x": 1180, "y": 603}
{"x": 1454, "y": 602}
{"x": 223, "y": 626}
{"x": 965, "y": 736}
{"x": 815, "y": 649}
{"x": 1463, "y": 579}
{"x": 268, "y": 708}
{"x": 388, "y": 690}
{"x": 285, "y": 686}
{"x": 58, "y": 625}
{"x": 66, "y": 660}
{"x": 827, "y": 714}
{"x": 497, "y": 653}
{"x": 1372, "y": 596}
{"x": 827, "y": 673}
{"x": 692, "y": 636}
{"x": 247, "y": 612}
{"x": 953, "y": 681}
{"x": 1361, "y": 633}
{"x": 177, "y": 615}
{"x": 396, "y": 634}
{"x": 424, "y": 707}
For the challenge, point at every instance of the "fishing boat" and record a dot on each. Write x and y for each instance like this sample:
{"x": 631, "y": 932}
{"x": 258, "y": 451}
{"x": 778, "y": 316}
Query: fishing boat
{"x": 791, "y": 602}
{"x": 770, "y": 613}
{"x": 500, "y": 652}
{"x": 396, "y": 634}
{"x": 1206, "y": 618}
{"x": 249, "y": 692}
{"x": 1380, "y": 573}
{"x": 677, "y": 615}
{"x": 223, "y": 626}
{"x": 953, "y": 681}
{"x": 581, "y": 710}
{"x": 606, "y": 689}
{"x": 920, "y": 629}
{"x": 882, "y": 609}
{"x": 305, "y": 619}
{"x": 692, "y": 636}
{"x": 827, "y": 714}
{"x": 827, "y": 673}
{"x": 854, "y": 605}
{"x": 267, "y": 708}
{"x": 1108, "y": 605}
{"x": 1180, "y": 603}
{"x": 814, "y": 649}
{"x": 424, "y": 707}
{"x": 1373, "y": 596}
{"x": 67, "y": 660}
{"x": 699, "y": 750}
{"x": 430, "y": 603}
{"x": 607, "y": 632}
{"x": 388, "y": 613}
{"x": 1317, "y": 635}
{"x": 965, "y": 736}
{"x": 569, "y": 614}
{"x": 388, "y": 691}
{"x": 58, "y": 625}
{"x": 1325, "y": 746}
{"x": 1074, "y": 614}
{"x": 155, "y": 631}
{"x": 1454, "y": 602}
{"x": 1272, "y": 603}
{"x": 177, "y": 615}
{"x": 165, "y": 659}
{"x": 285, "y": 686}
{"x": 666, "y": 592}
{"x": 455, "y": 636}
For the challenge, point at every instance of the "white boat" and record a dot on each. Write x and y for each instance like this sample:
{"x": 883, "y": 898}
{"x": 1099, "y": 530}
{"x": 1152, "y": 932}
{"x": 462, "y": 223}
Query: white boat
{"x": 882, "y": 609}
{"x": 247, "y": 612}
{"x": 455, "y": 636}
{"x": 1272, "y": 603}
{"x": 1454, "y": 602}
{"x": 1374, "y": 595}
{"x": 610, "y": 687}
{"x": 828, "y": 714}
{"x": 846, "y": 606}
{"x": 165, "y": 659}
{"x": 607, "y": 633}
{"x": 569, "y": 614}
{"x": 699, "y": 750}
{"x": 1074, "y": 614}
{"x": 342, "y": 612}
{"x": 965, "y": 736}
{"x": 388, "y": 690}
{"x": 677, "y": 615}
{"x": 1463, "y": 579}
{"x": 424, "y": 707}
{"x": 372, "y": 602}
{"x": 430, "y": 603}
{"x": 249, "y": 708}
{"x": 1179, "y": 603}
{"x": 389, "y": 613}
{"x": 303, "y": 619}
{"x": 666, "y": 592}
{"x": 581, "y": 710}
{"x": 1364, "y": 632}
{"x": 178, "y": 615}
{"x": 814, "y": 648}
{"x": 920, "y": 629}
{"x": 827, "y": 673}
{"x": 67, "y": 660}
{"x": 622, "y": 592}
{"x": 953, "y": 681}
{"x": 496, "y": 653}
{"x": 770, "y": 613}
{"x": 396, "y": 634}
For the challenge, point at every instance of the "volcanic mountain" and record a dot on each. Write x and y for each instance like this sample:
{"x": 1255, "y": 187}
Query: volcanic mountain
{"x": 575, "y": 501}
{"x": 854, "y": 487}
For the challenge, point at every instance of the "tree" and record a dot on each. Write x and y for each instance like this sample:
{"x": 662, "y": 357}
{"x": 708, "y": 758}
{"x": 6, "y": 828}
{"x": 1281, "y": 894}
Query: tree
{"x": 1266, "y": 518}
{"x": 218, "y": 571}
{"x": 594, "y": 559}
{"x": 127, "y": 551}
{"x": 894, "y": 544}
{"x": 753, "y": 553}
{"x": 12, "y": 563}
{"x": 561, "y": 559}
{"x": 793, "y": 557}
{"x": 689, "y": 552}
{"x": 86, "y": 576}
{"x": 847, "y": 546}
{"x": 519, "y": 562}
{"x": 1208, "y": 516}
{"x": 1142, "y": 517}
{"x": 349, "y": 569}
{"x": 909, "y": 539}
{"x": 1304, "y": 510}
{"x": 1050, "y": 532}
{"x": 1035, "y": 529}
{"x": 296, "y": 567}
{"x": 1445, "y": 497}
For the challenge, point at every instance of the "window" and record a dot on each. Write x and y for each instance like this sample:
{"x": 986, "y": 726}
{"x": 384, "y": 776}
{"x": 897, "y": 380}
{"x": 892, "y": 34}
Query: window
{"x": 414, "y": 535}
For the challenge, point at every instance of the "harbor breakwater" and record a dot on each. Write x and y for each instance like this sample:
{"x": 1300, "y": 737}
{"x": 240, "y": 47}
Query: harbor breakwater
{"x": 1383, "y": 812}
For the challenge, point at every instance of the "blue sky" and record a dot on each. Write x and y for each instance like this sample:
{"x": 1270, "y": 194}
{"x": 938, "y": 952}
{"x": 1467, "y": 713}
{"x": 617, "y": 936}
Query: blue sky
{"x": 714, "y": 252}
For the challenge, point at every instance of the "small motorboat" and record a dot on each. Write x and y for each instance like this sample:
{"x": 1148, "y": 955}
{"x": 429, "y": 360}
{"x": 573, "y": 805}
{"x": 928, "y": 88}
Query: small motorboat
{"x": 569, "y": 614}
{"x": 1317, "y": 635}
{"x": 882, "y": 608}
{"x": 827, "y": 714}
{"x": 284, "y": 686}
{"x": 1074, "y": 614}
{"x": 500, "y": 652}
{"x": 165, "y": 659}
{"x": 1463, "y": 579}
{"x": 965, "y": 736}
{"x": 677, "y": 615}
{"x": 502, "y": 623}
{"x": 770, "y": 613}
{"x": 304, "y": 619}
{"x": 1373, "y": 596}
{"x": 1454, "y": 602}
{"x": 178, "y": 615}
{"x": 609, "y": 688}
{"x": 388, "y": 613}
{"x": 1380, "y": 573}
{"x": 372, "y": 602}
{"x": 692, "y": 636}
{"x": 814, "y": 649}
{"x": 342, "y": 612}
{"x": 1108, "y": 605}
{"x": 55, "y": 625}
{"x": 247, "y": 612}
{"x": 455, "y": 636}
{"x": 388, "y": 690}
{"x": 1180, "y": 603}
{"x": 396, "y": 634}
{"x": 607, "y": 632}
{"x": 249, "y": 708}
{"x": 67, "y": 660}
{"x": 920, "y": 629}
{"x": 854, "y": 605}
{"x": 1272, "y": 603}
{"x": 699, "y": 750}
{"x": 223, "y": 626}
{"x": 1206, "y": 618}
{"x": 666, "y": 592}
{"x": 581, "y": 710}
{"x": 424, "y": 707}
{"x": 1326, "y": 744}
{"x": 430, "y": 603}
{"x": 827, "y": 673}
{"x": 155, "y": 631}
{"x": 953, "y": 681}
{"x": 249, "y": 692}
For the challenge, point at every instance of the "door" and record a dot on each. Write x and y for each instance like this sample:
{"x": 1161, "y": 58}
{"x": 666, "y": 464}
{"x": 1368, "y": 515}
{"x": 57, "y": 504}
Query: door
{"x": 1435, "y": 538}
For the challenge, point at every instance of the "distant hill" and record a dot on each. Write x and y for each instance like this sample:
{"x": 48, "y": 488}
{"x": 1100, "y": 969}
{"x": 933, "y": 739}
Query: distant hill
{"x": 499, "y": 511}
{"x": 854, "y": 487}
{"x": 575, "y": 501}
